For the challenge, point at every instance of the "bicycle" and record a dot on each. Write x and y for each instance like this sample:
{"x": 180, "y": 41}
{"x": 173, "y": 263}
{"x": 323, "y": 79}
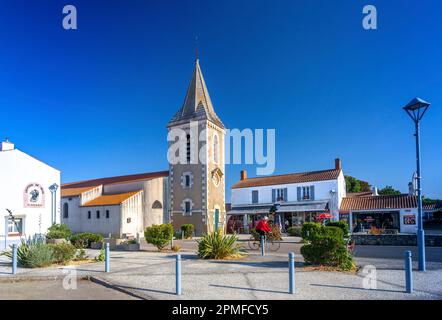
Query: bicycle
{"x": 350, "y": 243}
{"x": 270, "y": 244}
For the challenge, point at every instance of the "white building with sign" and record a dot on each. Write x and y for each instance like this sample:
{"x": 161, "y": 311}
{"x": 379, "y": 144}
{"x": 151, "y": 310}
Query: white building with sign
{"x": 25, "y": 192}
{"x": 301, "y": 196}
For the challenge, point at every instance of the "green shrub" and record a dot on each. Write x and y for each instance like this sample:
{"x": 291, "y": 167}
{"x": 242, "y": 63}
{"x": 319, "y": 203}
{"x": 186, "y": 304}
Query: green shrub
{"x": 217, "y": 246}
{"x": 274, "y": 236}
{"x": 63, "y": 252}
{"x": 80, "y": 255}
{"x": 294, "y": 231}
{"x": 327, "y": 247}
{"x": 33, "y": 254}
{"x": 159, "y": 235}
{"x": 188, "y": 230}
{"x": 340, "y": 224}
{"x": 58, "y": 231}
{"x": 102, "y": 256}
{"x": 84, "y": 240}
{"x": 310, "y": 229}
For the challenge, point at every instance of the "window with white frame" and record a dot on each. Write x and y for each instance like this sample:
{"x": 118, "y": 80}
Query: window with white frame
{"x": 187, "y": 180}
{"x": 15, "y": 226}
{"x": 187, "y": 207}
{"x": 279, "y": 194}
{"x": 306, "y": 194}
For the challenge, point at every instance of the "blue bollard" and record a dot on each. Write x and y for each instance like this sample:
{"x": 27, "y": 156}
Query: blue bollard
{"x": 291, "y": 273}
{"x": 14, "y": 259}
{"x": 178, "y": 275}
{"x": 106, "y": 258}
{"x": 263, "y": 251}
{"x": 408, "y": 272}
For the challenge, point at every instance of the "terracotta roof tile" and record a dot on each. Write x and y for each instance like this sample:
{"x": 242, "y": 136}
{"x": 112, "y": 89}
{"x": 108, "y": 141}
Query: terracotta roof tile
{"x": 118, "y": 179}
{"x": 402, "y": 201}
{"x": 433, "y": 206}
{"x": 73, "y": 192}
{"x": 288, "y": 178}
{"x": 359, "y": 194}
{"x": 110, "y": 199}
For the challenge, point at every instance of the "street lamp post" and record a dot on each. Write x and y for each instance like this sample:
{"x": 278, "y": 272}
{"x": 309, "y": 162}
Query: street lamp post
{"x": 416, "y": 109}
{"x": 53, "y": 188}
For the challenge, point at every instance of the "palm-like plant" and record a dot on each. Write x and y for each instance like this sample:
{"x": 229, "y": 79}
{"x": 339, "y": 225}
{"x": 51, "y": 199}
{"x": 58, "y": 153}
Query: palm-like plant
{"x": 33, "y": 254}
{"x": 217, "y": 246}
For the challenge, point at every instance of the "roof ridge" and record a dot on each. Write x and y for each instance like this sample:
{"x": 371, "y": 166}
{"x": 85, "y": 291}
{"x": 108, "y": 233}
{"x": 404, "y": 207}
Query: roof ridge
{"x": 72, "y": 184}
{"x": 287, "y": 174}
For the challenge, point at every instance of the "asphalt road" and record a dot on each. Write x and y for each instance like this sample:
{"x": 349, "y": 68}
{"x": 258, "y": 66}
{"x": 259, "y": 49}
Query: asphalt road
{"x": 53, "y": 289}
{"x": 433, "y": 254}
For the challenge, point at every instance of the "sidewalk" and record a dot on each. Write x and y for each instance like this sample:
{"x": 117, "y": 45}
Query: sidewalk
{"x": 151, "y": 275}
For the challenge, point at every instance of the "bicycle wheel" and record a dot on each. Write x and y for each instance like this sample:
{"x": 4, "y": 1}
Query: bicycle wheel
{"x": 273, "y": 245}
{"x": 253, "y": 244}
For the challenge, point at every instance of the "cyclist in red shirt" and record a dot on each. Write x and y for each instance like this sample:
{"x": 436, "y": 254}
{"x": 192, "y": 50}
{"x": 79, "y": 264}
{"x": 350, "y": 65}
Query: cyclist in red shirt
{"x": 263, "y": 227}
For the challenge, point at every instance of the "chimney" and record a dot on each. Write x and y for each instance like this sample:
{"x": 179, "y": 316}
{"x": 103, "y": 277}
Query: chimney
{"x": 338, "y": 164}
{"x": 374, "y": 191}
{"x": 243, "y": 174}
{"x": 6, "y": 145}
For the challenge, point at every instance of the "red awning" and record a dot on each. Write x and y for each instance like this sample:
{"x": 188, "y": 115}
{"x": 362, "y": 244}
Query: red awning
{"x": 325, "y": 216}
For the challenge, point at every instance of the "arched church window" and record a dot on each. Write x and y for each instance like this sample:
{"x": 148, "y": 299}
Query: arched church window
{"x": 157, "y": 205}
{"x": 66, "y": 211}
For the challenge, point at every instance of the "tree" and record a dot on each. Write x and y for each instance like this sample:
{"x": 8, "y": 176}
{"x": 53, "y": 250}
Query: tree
{"x": 389, "y": 191}
{"x": 356, "y": 185}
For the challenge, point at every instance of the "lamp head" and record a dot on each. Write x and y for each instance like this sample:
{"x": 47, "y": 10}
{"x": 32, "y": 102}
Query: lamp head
{"x": 416, "y": 108}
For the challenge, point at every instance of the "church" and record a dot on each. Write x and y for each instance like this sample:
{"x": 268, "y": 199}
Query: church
{"x": 190, "y": 192}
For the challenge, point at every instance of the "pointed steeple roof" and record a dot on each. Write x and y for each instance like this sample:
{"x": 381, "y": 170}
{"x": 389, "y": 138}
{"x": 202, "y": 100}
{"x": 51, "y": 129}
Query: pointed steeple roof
{"x": 197, "y": 104}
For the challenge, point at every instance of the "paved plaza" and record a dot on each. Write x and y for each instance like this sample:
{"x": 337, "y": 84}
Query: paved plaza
{"x": 151, "y": 275}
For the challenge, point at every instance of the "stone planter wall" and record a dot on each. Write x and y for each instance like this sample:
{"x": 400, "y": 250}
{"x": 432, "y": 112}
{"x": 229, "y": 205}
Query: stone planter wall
{"x": 56, "y": 241}
{"x": 96, "y": 245}
{"x": 396, "y": 240}
{"x": 129, "y": 247}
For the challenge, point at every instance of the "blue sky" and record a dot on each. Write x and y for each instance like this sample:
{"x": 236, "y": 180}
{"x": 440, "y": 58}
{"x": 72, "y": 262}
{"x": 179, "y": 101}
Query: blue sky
{"x": 95, "y": 102}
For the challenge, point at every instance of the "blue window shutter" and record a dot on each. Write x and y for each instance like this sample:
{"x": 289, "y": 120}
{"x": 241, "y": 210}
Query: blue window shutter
{"x": 255, "y": 196}
{"x": 298, "y": 189}
{"x": 312, "y": 192}
{"x": 273, "y": 195}
{"x": 285, "y": 194}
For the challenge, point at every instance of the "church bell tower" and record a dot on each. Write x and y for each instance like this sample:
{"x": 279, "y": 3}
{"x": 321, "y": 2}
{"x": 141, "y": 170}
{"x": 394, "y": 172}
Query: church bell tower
{"x": 197, "y": 184}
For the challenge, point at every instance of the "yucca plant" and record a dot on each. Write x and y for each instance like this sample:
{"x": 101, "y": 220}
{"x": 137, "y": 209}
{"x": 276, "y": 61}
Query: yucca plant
{"x": 217, "y": 246}
{"x": 33, "y": 254}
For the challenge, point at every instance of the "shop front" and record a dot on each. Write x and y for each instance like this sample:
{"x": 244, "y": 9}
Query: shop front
{"x": 242, "y": 219}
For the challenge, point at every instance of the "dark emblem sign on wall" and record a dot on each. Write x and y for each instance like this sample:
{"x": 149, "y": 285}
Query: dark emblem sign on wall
{"x": 34, "y": 196}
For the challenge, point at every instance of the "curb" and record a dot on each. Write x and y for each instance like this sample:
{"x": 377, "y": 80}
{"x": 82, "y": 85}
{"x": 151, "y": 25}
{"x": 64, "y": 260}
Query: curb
{"x": 109, "y": 285}
{"x": 13, "y": 279}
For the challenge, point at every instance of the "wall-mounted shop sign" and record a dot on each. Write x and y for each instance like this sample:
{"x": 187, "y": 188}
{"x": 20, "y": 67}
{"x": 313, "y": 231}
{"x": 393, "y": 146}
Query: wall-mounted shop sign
{"x": 34, "y": 196}
{"x": 409, "y": 219}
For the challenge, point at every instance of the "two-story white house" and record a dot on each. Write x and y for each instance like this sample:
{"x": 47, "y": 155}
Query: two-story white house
{"x": 301, "y": 197}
